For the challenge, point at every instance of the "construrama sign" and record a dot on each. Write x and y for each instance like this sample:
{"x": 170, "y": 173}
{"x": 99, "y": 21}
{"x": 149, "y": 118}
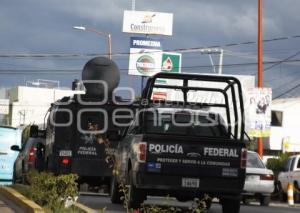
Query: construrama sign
{"x": 146, "y": 22}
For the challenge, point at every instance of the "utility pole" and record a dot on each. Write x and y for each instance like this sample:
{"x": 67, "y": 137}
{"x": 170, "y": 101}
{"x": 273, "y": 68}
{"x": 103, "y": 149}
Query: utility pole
{"x": 132, "y": 4}
{"x": 260, "y": 145}
{"x": 211, "y": 52}
{"x": 142, "y": 77}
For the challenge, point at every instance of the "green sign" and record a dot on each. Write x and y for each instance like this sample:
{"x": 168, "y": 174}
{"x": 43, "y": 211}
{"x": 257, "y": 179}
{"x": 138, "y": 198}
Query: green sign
{"x": 171, "y": 62}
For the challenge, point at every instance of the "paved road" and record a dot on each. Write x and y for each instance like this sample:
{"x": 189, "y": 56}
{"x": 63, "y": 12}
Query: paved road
{"x": 99, "y": 202}
{"x": 7, "y": 206}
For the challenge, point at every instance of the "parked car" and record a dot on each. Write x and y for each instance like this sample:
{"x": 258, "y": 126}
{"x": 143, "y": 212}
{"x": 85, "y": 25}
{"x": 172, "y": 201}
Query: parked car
{"x": 259, "y": 182}
{"x": 30, "y": 157}
{"x": 8, "y": 136}
{"x": 290, "y": 174}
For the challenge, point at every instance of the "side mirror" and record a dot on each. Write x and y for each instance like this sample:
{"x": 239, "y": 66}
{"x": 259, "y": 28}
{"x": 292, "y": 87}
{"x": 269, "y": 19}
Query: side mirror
{"x": 34, "y": 131}
{"x": 42, "y": 133}
{"x": 15, "y": 148}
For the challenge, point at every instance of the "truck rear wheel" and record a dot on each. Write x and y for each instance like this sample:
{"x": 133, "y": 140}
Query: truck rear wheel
{"x": 135, "y": 196}
{"x": 265, "y": 200}
{"x": 115, "y": 194}
{"x": 230, "y": 205}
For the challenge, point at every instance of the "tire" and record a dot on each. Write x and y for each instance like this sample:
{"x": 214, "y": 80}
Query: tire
{"x": 230, "y": 205}
{"x": 135, "y": 196}
{"x": 264, "y": 200}
{"x": 208, "y": 203}
{"x": 23, "y": 179}
{"x": 246, "y": 201}
{"x": 14, "y": 179}
{"x": 282, "y": 195}
{"x": 115, "y": 194}
{"x": 296, "y": 193}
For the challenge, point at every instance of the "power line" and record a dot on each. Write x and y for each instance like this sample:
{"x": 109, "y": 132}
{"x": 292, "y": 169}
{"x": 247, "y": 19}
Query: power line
{"x": 288, "y": 91}
{"x": 284, "y": 60}
{"x": 58, "y": 71}
{"x": 182, "y": 50}
{"x": 276, "y": 63}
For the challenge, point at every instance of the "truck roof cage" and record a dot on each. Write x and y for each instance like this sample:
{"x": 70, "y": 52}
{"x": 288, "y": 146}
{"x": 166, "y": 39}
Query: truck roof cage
{"x": 231, "y": 87}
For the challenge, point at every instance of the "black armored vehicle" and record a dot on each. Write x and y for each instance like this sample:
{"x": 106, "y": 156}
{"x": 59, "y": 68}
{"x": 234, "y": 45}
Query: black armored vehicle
{"x": 82, "y": 131}
{"x": 186, "y": 142}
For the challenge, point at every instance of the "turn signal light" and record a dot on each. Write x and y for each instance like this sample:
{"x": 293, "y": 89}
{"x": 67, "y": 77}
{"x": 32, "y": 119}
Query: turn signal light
{"x": 142, "y": 150}
{"x": 65, "y": 161}
{"x": 32, "y": 152}
{"x": 266, "y": 177}
{"x": 243, "y": 158}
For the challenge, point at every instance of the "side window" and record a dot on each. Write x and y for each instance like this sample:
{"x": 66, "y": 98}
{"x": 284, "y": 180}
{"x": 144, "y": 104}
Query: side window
{"x": 292, "y": 164}
{"x": 287, "y": 165}
{"x": 133, "y": 128}
{"x": 298, "y": 165}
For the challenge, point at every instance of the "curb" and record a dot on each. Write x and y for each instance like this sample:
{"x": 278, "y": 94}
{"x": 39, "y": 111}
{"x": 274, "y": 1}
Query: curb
{"x": 26, "y": 204}
{"x": 84, "y": 208}
{"x": 30, "y": 206}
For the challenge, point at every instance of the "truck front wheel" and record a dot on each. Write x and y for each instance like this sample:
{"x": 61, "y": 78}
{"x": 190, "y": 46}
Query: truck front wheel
{"x": 230, "y": 205}
{"x": 115, "y": 193}
{"x": 135, "y": 196}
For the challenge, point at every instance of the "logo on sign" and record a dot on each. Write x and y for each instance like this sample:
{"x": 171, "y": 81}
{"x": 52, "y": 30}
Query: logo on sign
{"x": 145, "y": 64}
{"x": 148, "y": 18}
{"x": 193, "y": 154}
{"x": 167, "y": 64}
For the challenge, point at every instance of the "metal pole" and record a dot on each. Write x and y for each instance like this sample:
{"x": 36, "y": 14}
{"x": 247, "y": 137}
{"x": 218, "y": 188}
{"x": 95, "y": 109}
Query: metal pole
{"x": 221, "y": 61}
{"x": 132, "y": 4}
{"x": 260, "y": 145}
{"x": 212, "y": 63}
{"x": 99, "y": 33}
{"x": 109, "y": 46}
{"x": 142, "y": 85}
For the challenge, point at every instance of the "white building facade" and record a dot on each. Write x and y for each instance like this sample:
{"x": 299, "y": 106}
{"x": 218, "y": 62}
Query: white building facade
{"x": 29, "y": 105}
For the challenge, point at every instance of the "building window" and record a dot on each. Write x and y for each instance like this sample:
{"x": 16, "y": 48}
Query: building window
{"x": 276, "y": 118}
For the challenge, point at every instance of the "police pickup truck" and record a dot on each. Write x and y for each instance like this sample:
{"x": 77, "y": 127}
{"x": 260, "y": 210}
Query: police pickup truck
{"x": 186, "y": 142}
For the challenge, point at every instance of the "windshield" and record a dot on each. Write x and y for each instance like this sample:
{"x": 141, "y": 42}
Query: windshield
{"x": 185, "y": 123}
{"x": 253, "y": 161}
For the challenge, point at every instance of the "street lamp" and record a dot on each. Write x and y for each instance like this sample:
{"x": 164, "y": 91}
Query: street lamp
{"x": 108, "y": 35}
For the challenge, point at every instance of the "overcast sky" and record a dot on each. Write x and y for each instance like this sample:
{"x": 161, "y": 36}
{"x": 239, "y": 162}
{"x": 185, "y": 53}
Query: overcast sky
{"x": 45, "y": 26}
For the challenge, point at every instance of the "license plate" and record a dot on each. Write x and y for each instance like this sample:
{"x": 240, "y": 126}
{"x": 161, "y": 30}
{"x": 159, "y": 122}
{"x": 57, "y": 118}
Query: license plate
{"x": 190, "y": 182}
{"x": 252, "y": 178}
{"x": 65, "y": 153}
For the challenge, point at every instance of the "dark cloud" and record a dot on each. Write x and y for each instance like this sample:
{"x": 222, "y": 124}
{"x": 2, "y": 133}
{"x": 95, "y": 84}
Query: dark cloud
{"x": 35, "y": 26}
